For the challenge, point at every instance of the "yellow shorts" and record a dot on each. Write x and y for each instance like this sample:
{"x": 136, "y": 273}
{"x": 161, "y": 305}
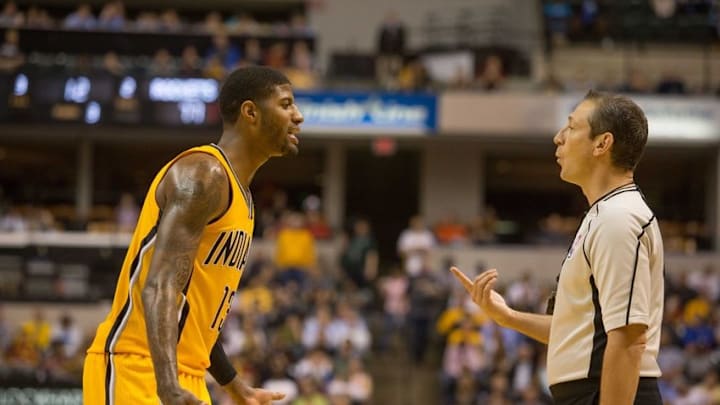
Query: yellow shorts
{"x": 129, "y": 380}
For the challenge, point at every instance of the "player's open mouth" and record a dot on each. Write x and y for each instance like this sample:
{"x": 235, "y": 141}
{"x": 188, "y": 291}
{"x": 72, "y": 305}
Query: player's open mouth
{"x": 293, "y": 138}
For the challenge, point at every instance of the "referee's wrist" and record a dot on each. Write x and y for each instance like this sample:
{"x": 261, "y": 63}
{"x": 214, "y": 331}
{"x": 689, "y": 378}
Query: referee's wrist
{"x": 506, "y": 320}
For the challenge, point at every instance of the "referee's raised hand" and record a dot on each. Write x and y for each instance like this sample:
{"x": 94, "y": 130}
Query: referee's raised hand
{"x": 482, "y": 293}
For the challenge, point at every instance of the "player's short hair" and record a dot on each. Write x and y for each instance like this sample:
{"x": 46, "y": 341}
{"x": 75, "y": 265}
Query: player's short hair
{"x": 620, "y": 116}
{"x": 254, "y": 83}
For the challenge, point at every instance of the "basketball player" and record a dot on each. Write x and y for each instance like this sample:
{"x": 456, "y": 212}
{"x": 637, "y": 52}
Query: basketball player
{"x": 603, "y": 331}
{"x": 186, "y": 258}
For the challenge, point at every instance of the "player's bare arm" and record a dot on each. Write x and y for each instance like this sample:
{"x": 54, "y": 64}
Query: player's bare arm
{"x": 194, "y": 191}
{"x": 493, "y": 304}
{"x": 624, "y": 350}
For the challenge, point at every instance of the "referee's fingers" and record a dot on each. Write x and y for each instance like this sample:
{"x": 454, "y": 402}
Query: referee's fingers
{"x": 466, "y": 282}
{"x": 484, "y": 276}
{"x": 488, "y": 288}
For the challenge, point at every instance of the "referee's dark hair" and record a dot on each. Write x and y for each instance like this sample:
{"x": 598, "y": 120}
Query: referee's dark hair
{"x": 625, "y": 120}
{"x": 254, "y": 83}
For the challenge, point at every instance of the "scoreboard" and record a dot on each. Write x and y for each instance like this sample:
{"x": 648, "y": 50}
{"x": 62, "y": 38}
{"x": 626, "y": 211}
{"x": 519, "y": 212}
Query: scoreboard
{"x": 101, "y": 98}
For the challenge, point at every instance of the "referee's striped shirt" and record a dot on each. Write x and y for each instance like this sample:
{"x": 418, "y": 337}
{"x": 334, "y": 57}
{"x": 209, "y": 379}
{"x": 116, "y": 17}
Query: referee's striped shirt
{"x": 612, "y": 276}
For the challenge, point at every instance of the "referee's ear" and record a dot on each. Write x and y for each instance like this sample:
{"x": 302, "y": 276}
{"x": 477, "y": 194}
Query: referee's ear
{"x": 603, "y": 143}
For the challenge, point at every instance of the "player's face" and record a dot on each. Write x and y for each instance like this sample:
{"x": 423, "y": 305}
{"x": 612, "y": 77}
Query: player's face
{"x": 574, "y": 147}
{"x": 281, "y": 121}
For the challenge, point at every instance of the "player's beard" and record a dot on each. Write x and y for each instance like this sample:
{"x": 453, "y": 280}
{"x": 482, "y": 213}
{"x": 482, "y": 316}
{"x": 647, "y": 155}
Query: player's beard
{"x": 280, "y": 143}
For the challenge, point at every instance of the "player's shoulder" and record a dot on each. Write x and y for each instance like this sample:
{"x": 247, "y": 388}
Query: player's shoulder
{"x": 200, "y": 168}
{"x": 193, "y": 176}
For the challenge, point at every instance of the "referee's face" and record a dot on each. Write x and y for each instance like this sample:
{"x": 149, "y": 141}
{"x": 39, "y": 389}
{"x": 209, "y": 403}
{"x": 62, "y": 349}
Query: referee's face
{"x": 574, "y": 148}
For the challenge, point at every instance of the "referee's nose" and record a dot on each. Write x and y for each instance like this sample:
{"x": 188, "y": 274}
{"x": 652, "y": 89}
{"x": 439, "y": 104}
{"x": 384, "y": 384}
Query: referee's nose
{"x": 557, "y": 139}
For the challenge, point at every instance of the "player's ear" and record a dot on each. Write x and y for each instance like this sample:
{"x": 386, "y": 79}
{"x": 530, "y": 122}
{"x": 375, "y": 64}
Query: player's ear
{"x": 249, "y": 111}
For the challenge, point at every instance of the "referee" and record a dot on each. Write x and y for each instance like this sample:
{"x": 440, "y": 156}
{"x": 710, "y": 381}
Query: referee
{"x": 603, "y": 327}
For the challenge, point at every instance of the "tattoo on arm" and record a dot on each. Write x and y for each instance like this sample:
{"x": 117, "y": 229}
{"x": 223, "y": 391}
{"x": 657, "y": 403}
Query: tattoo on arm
{"x": 184, "y": 267}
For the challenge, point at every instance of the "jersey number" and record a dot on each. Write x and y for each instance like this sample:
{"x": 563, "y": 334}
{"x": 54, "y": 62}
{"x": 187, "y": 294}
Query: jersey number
{"x": 224, "y": 305}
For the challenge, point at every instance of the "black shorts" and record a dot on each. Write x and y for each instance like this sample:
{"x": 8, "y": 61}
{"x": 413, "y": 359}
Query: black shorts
{"x": 587, "y": 392}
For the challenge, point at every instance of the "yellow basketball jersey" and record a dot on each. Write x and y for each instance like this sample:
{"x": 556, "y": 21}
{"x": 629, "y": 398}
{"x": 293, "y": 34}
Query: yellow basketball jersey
{"x": 208, "y": 295}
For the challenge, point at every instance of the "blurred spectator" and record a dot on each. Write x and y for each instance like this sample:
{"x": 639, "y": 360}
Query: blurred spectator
{"x": 38, "y": 18}
{"x": 551, "y": 84}
{"x": 81, "y": 19}
{"x": 670, "y": 83}
{"x": 224, "y": 50}
{"x": 253, "y": 52}
{"x": 316, "y": 222}
{"x": 276, "y": 56}
{"x": 450, "y": 231}
{"x": 482, "y": 228}
{"x": 316, "y": 366}
{"x": 522, "y": 370}
{"x": 190, "y": 63}
{"x": 22, "y": 355}
{"x": 243, "y": 23}
{"x": 299, "y": 26}
{"x": 289, "y": 336}
{"x": 636, "y": 83}
{"x": 523, "y": 293}
{"x": 463, "y": 352}
{"x": 414, "y": 245}
{"x": 251, "y": 337}
{"x": 295, "y": 254}
{"x": 354, "y": 383}
{"x": 5, "y": 335}
{"x": 553, "y": 230}
{"x": 360, "y": 388}
{"x": 491, "y": 77}
{"x": 359, "y": 257}
{"x": 390, "y": 49}
{"x": 163, "y": 64}
{"x": 300, "y": 71}
{"x": 214, "y": 68}
{"x": 37, "y": 330}
{"x": 316, "y": 328}
{"x": 706, "y": 282}
{"x": 557, "y": 16}
{"x": 112, "y": 16}
{"x": 256, "y": 299}
{"x": 170, "y": 21}
{"x": 427, "y": 292}
{"x": 55, "y": 367}
{"x": 126, "y": 213}
{"x": 349, "y": 326}
{"x": 663, "y": 8}
{"x": 13, "y": 221}
{"x": 499, "y": 391}
{"x": 393, "y": 289}
{"x": 112, "y": 64}
{"x": 213, "y": 23}
{"x": 68, "y": 335}
{"x": 279, "y": 380}
{"x": 679, "y": 286}
{"x": 588, "y": 14}
{"x": 413, "y": 76}
{"x": 11, "y": 17}
{"x": 310, "y": 394}
{"x": 391, "y": 37}
{"x": 11, "y": 57}
{"x": 40, "y": 219}
{"x": 147, "y": 21}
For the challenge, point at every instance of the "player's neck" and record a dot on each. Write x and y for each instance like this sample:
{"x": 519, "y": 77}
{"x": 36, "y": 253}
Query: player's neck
{"x": 242, "y": 157}
{"x": 603, "y": 182}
